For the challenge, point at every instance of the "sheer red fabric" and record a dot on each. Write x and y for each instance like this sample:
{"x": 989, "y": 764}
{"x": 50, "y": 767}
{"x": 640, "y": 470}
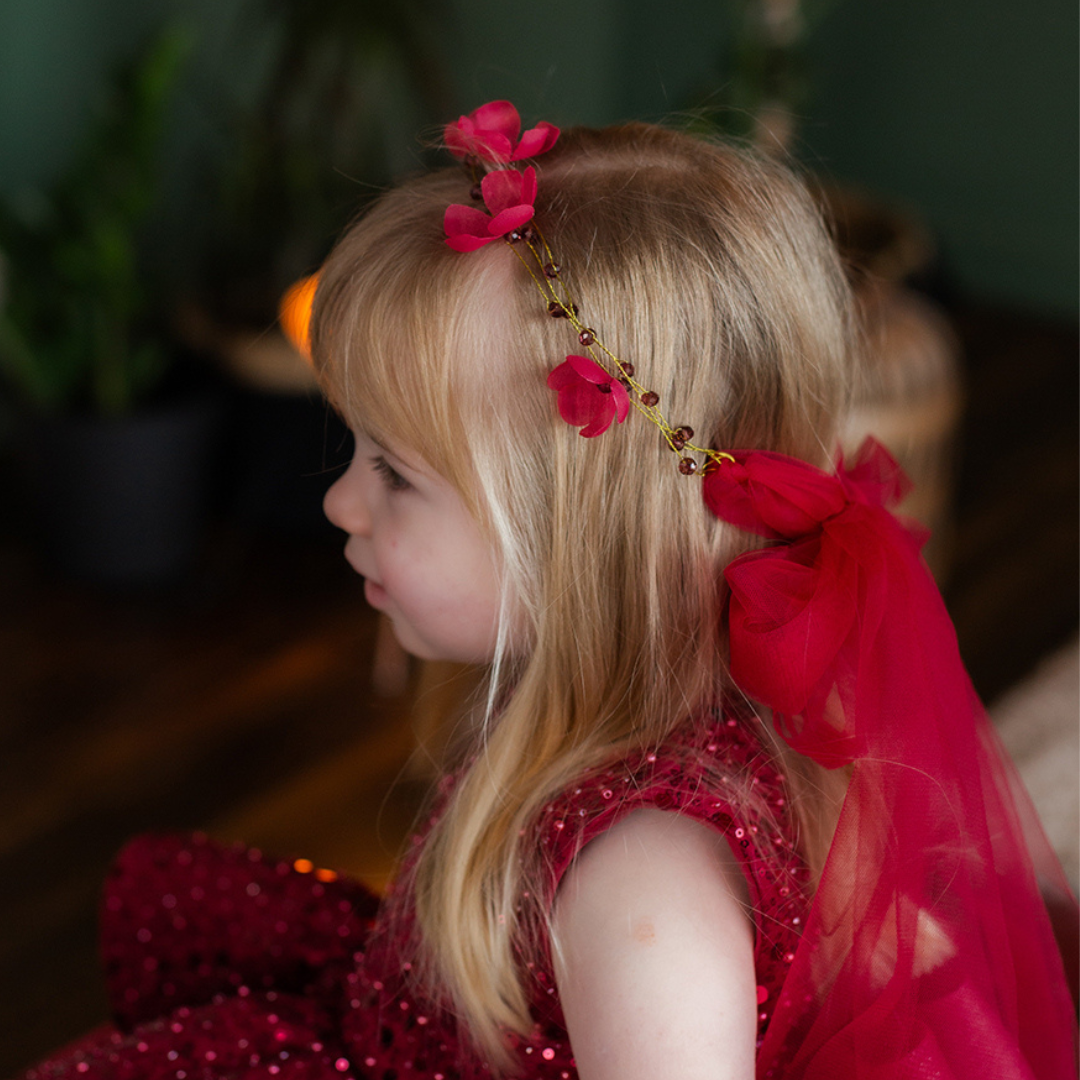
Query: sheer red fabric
{"x": 928, "y": 951}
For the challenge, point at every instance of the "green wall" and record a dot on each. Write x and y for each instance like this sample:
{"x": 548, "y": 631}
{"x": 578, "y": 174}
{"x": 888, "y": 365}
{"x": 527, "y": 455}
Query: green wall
{"x": 966, "y": 109}
{"x": 53, "y": 57}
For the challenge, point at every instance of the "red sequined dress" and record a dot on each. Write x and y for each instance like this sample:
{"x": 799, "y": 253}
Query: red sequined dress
{"x": 222, "y": 962}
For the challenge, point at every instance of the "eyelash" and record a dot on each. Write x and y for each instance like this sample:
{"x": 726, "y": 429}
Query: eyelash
{"x": 391, "y": 478}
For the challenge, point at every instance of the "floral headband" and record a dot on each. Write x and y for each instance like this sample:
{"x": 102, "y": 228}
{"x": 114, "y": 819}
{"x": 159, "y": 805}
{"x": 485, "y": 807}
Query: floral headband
{"x": 795, "y": 607}
{"x": 593, "y": 390}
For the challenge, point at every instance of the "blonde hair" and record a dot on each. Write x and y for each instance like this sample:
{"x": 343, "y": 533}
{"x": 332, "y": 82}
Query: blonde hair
{"x": 710, "y": 270}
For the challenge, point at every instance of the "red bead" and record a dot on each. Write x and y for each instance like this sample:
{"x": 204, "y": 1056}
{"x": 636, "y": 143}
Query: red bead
{"x": 677, "y": 442}
{"x": 687, "y": 466}
{"x": 514, "y": 236}
{"x": 628, "y": 369}
{"x": 552, "y": 270}
{"x": 685, "y": 433}
{"x": 587, "y": 336}
{"x": 476, "y": 193}
{"x": 650, "y": 398}
{"x": 529, "y": 233}
{"x": 556, "y": 310}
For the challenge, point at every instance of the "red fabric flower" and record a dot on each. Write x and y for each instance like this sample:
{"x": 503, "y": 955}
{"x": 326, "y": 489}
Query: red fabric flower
{"x": 589, "y": 397}
{"x": 508, "y": 194}
{"x": 489, "y": 132}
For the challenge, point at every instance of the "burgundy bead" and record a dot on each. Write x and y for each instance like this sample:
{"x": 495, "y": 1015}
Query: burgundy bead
{"x": 476, "y": 193}
{"x": 604, "y": 388}
{"x": 587, "y": 336}
{"x": 514, "y": 236}
{"x": 677, "y": 442}
{"x": 687, "y": 466}
{"x": 529, "y": 233}
{"x": 552, "y": 270}
{"x": 650, "y": 398}
{"x": 556, "y": 310}
{"x": 685, "y": 433}
{"x": 628, "y": 369}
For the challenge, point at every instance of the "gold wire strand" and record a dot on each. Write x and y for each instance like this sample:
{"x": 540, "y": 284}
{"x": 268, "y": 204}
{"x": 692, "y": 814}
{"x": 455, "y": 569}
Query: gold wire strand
{"x": 615, "y": 367}
{"x": 546, "y": 287}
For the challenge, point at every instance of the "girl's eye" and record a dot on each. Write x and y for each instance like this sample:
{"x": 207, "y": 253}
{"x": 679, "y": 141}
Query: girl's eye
{"x": 391, "y": 478}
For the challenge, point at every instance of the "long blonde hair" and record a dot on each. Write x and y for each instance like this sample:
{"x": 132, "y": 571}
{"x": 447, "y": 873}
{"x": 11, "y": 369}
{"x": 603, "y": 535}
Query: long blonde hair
{"x": 711, "y": 271}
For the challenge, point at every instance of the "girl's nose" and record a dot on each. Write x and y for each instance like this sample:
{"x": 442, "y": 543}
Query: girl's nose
{"x": 344, "y": 505}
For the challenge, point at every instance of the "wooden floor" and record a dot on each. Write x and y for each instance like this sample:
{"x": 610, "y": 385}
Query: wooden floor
{"x": 239, "y": 702}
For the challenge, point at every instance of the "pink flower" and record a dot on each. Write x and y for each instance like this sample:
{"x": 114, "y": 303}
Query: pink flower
{"x": 589, "y": 397}
{"x": 488, "y": 133}
{"x": 508, "y": 194}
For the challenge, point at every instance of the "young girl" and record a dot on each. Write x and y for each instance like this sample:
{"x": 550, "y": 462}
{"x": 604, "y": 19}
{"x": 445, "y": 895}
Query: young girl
{"x": 728, "y": 804}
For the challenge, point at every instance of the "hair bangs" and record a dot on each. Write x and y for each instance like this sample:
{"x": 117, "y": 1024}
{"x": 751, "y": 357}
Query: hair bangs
{"x": 393, "y": 322}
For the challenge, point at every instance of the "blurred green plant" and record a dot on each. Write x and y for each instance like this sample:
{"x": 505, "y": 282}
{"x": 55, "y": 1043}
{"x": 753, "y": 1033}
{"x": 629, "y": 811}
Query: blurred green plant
{"x": 318, "y": 127}
{"x": 767, "y": 77}
{"x": 80, "y": 325}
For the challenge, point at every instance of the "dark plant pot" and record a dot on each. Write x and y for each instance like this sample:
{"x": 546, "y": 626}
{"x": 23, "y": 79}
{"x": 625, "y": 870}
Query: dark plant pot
{"x": 122, "y": 501}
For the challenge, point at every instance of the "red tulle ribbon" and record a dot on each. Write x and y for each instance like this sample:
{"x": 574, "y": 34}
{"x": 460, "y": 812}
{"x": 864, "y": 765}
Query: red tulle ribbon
{"x": 928, "y": 951}
{"x": 803, "y": 615}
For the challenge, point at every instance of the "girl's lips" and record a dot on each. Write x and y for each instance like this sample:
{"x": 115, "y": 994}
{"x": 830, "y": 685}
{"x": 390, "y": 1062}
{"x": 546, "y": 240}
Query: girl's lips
{"x": 375, "y": 594}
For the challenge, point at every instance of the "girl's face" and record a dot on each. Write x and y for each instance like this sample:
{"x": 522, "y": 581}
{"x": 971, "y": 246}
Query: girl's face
{"x": 425, "y": 562}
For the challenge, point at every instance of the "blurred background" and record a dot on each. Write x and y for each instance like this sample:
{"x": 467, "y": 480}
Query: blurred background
{"x": 181, "y": 644}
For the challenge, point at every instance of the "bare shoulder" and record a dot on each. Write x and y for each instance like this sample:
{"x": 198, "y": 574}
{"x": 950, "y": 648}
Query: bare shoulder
{"x": 653, "y": 950}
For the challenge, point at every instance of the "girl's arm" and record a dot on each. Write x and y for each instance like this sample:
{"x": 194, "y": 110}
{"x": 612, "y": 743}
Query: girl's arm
{"x": 654, "y": 954}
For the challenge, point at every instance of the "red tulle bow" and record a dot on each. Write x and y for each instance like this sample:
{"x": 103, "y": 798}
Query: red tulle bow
{"x": 806, "y": 617}
{"x": 927, "y": 951}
